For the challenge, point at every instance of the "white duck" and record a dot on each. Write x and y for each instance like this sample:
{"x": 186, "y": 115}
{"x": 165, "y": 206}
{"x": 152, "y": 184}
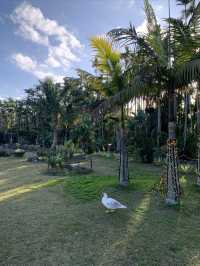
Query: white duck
{"x": 111, "y": 204}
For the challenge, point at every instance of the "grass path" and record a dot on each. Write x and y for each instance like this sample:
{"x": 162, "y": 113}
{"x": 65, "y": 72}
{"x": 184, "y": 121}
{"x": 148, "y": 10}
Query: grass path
{"x": 44, "y": 222}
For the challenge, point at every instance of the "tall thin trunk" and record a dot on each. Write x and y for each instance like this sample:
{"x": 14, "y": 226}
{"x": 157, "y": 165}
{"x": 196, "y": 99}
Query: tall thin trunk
{"x": 123, "y": 167}
{"x": 198, "y": 136}
{"x": 11, "y": 138}
{"x": 158, "y": 122}
{"x": 55, "y": 138}
{"x": 102, "y": 133}
{"x": 55, "y": 132}
{"x": 185, "y": 121}
{"x": 173, "y": 185}
{"x": 117, "y": 139}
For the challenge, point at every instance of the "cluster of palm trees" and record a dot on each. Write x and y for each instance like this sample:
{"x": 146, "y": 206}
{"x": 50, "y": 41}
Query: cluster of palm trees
{"x": 155, "y": 66}
{"x": 46, "y": 113}
{"x": 161, "y": 62}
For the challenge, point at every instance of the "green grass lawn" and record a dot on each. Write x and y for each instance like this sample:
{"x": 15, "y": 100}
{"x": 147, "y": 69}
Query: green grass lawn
{"x": 59, "y": 220}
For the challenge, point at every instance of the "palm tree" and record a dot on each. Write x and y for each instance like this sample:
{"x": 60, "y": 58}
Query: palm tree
{"x": 186, "y": 43}
{"x": 171, "y": 73}
{"x": 109, "y": 63}
{"x": 198, "y": 136}
{"x": 50, "y": 98}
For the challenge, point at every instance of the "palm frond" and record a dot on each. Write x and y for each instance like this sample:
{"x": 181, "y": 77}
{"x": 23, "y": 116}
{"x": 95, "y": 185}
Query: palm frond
{"x": 151, "y": 17}
{"x": 188, "y": 73}
{"x": 195, "y": 17}
{"x": 138, "y": 88}
{"x": 184, "y": 2}
{"x": 106, "y": 57}
{"x": 129, "y": 37}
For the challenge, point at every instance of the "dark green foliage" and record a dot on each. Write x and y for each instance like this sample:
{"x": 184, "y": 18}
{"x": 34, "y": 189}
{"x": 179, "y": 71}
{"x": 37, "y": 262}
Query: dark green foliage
{"x": 146, "y": 151}
{"x": 190, "y": 151}
{"x": 55, "y": 159}
{"x": 142, "y": 134}
{"x": 83, "y": 134}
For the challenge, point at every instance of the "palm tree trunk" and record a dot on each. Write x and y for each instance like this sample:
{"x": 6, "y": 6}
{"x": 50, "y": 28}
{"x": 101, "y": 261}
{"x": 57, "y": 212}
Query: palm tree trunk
{"x": 55, "y": 132}
{"x": 198, "y": 137}
{"x": 55, "y": 138}
{"x": 117, "y": 139}
{"x": 173, "y": 185}
{"x": 123, "y": 168}
{"x": 158, "y": 122}
{"x": 185, "y": 121}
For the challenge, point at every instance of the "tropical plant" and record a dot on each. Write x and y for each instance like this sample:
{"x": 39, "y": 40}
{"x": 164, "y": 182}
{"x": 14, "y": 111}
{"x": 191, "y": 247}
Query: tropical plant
{"x": 168, "y": 72}
{"x": 109, "y": 63}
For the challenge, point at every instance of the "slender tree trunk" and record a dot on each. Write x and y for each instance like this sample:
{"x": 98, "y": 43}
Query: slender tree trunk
{"x": 185, "y": 121}
{"x": 117, "y": 139}
{"x": 198, "y": 136}
{"x": 55, "y": 132}
{"x": 158, "y": 122}
{"x": 102, "y": 133}
{"x": 173, "y": 185}
{"x": 123, "y": 167}
{"x": 55, "y": 138}
{"x": 11, "y": 138}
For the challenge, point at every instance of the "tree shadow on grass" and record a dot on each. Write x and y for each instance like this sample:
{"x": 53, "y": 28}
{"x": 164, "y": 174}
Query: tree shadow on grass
{"x": 156, "y": 235}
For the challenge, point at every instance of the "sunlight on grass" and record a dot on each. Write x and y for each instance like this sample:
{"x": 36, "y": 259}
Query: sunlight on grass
{"x": 28, "y": 188}
{"x": 22, "y": 166}
{"x": 136, "y": 218}
{"x": 138, "y": 214}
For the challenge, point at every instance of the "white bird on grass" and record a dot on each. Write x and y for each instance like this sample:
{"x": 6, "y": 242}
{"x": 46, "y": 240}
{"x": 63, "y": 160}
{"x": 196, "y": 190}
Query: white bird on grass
{"x": 111, "y": 204}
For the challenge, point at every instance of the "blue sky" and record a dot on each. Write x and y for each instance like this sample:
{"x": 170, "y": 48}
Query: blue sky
{"x": 51, "y": 38}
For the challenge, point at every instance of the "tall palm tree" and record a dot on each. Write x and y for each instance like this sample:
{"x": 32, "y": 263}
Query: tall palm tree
{"x": 186, "y": 43}
{"x": 109, "y": 63}
{"x": 51, "y": 97}
{"x": 170, "y": 73}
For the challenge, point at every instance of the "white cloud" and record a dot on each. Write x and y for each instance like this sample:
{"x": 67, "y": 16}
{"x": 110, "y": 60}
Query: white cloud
{"x": 32, "y": 66}
{"x": 35, "y": 27}
{"x": 24, "y": 62}
{"x": 142, "y": 28}
{"x": 51, "y": 61}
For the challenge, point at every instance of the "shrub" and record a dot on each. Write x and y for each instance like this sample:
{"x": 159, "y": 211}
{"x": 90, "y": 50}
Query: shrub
{"x": 69, "y": 149}
{"x": 55, "y": 160}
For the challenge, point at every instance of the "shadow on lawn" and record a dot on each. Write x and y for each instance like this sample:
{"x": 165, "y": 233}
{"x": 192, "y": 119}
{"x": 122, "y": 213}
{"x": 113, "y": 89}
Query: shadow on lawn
{"x": 81, "y": 233}
{"x": 155, "y": 235}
